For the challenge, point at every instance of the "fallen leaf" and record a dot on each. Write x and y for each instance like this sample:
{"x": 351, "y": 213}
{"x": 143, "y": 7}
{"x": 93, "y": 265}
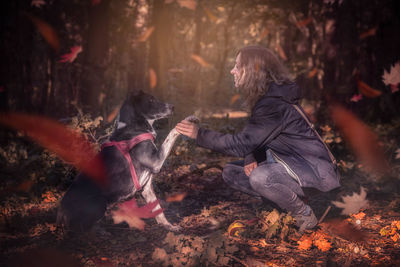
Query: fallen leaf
{"x": 320, "y": 240}
{"x": 358, "y": 216}
{"x": 361, "y": 139}
{"x": 66, "y": 143}
{"x": 356, "y": 98}
{"x": 352, "y": 204}
{"x": 130, "y": 213}
{"x": 153, "y": 78}
{"x": 200, "y": 60}
{"x": 370, "y": 32}
{"x": 176, "y": 197}
{"x": 146, "y": 34}
{"x": 305, "y": 242}
{"x": 47, "y": 31}
{"x": 70, "y": 57}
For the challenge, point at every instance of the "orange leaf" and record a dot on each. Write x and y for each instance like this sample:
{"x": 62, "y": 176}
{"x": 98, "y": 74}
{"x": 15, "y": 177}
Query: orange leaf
{"x": 281, "y": 52}
{"x": 47, "y": 31}
{"x": 189, "y": 4}
{"x": 235, "y": 98}
{"x": 200, "y": 60}
{"x": 303, "y": 22}
{"x": 66, "y": 143}
{"x": 264, "y": 33}
{"x": 322, "y": 244}
{"x": 153, "y": 78}
{"x": 312, "y": 73}
{"x": 359, "y": 216}
{"x": 366, "y": 90}
{"x": 144, "y": 36}
{"x": 370, "y": 32}
{"x": 176, "y": 197}
{"x": 305, "y": 242}
{"x": 361, "y": 139}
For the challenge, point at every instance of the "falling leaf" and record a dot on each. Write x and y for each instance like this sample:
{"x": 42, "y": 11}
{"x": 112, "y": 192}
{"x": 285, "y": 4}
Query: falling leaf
{"x": 305, "y": 242}
{"x": 190, "y": 4}
{"x": 312, "y": 73}
{"x": 343, "y": 229}
{"x": 95, "y": 2}
{"x": 361, "y": 139}
{"x": 200, "y": 60}
{"x": 367, "y": 90}
{"x": 210, "y": 15}
{"x": 153, "y": 78}
{"x": 235, "y": 98}
{"x": 113, "y": 113}
{"x": 304, "y": 22}
{"x": 393, "y": 77}
{"x": 130, "y": 213}
{"x": 370, "y": 32}
{"x": 356, "y": 98}
{"x": 176, "y": 197}
{"x": 145, "y": 35}
{"x": 38, "y": 3}
{"x": 47, "y": 31}
{"x": 352, "y": 204}
{"x": 281, "y": 52}
{"x": 63, "y": 141}
{"x": 101, "y": 98}
{"x": 397, "y": 153}
{"x": 70, "y": 57}
{"x": 175, "y": 70}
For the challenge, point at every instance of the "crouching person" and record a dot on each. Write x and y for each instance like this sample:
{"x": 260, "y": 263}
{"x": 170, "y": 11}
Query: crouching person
{"x": 293, "y": 154}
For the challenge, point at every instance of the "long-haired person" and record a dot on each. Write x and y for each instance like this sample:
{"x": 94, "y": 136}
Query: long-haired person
{"x": 282, "y": 152}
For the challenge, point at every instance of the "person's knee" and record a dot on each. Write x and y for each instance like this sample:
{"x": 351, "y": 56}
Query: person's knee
{"x": 258, "y": 179}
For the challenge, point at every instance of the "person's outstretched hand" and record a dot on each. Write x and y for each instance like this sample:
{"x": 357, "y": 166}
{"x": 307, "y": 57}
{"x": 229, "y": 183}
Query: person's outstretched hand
{"x": 187, "y": 128}
{"x": 250, "y": 167}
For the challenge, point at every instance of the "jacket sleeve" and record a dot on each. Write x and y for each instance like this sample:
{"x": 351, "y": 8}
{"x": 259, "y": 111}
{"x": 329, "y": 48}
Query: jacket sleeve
{"x": 264, "y": 125}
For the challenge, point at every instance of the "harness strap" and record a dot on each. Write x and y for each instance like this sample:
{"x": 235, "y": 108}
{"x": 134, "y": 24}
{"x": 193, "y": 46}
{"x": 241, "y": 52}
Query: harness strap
{"x": 316, "y": 133}
{"x": 124, "y": 147}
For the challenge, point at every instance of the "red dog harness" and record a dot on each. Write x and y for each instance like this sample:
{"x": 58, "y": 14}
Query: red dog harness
{"x": 125, "y": 146}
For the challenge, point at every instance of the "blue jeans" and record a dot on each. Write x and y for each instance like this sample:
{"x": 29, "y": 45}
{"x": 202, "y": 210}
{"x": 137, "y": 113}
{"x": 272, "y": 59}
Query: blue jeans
{"x": 269, "y": 180}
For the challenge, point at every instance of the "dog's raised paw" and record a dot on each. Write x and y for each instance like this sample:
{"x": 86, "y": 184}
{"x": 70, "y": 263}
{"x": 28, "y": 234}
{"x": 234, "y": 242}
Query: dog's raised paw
{"x": 192, "y": 118}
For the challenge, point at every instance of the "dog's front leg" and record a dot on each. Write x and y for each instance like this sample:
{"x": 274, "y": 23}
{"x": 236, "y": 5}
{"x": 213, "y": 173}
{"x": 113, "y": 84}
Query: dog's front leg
{"x": 165, "y": 149}
{"x": 150, "y": 196}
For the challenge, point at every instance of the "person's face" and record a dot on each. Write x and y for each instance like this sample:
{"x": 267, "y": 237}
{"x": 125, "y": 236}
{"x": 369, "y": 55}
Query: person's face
{"x": 236, "y": 72}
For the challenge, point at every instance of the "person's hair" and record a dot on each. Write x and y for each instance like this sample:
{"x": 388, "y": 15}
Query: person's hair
{"x": 259, "y": 67}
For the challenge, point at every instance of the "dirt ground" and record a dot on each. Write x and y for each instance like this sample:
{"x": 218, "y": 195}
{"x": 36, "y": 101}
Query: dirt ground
{"x": 220, "y": 226}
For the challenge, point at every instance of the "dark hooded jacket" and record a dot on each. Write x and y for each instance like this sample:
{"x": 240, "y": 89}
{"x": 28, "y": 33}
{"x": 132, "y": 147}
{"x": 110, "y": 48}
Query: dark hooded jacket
{"x": 276, "y": 125}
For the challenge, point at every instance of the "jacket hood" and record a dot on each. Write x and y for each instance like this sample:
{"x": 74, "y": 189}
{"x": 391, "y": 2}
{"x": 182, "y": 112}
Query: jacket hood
{"x": 289, "y": 92}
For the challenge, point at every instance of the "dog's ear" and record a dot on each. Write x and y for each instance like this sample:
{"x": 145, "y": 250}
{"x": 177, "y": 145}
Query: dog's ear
{"x": 137, "y": 93}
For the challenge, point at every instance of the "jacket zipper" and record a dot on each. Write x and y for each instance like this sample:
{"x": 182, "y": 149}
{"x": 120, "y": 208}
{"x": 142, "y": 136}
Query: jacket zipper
{"x": 288, "y": 169}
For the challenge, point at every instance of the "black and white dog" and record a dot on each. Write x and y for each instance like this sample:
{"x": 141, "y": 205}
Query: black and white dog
{"x": 85, "y": 202}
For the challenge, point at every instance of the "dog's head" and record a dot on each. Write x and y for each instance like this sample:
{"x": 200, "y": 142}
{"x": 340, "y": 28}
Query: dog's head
{"x": 150, "y": 107}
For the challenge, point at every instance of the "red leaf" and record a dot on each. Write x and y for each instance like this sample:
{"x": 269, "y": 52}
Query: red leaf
{"x": 344, "y": 230}
{"x": 47, "y": 31}
{"x": 304, "y": 22}
{"x": 362, "y": 140}
{"x": 144, "y": 36}
{"x": 66, "y": 143}
{"x": 370, "y": 32}
{"x": 70, "y": 57}
{"x": 200, "y": 60}
{"x": 176, "y": 197}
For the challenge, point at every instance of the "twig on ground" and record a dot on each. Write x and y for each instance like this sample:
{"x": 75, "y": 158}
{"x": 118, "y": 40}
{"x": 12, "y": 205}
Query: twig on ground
{"x": 324, "y": 215}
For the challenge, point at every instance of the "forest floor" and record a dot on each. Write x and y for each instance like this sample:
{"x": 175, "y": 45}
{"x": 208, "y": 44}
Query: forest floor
{"x": 220, "y": 226}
